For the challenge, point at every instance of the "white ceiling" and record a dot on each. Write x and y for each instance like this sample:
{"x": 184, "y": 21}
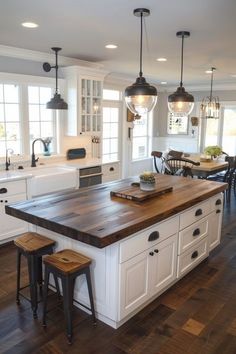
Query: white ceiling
{"x": 83, "y": 27}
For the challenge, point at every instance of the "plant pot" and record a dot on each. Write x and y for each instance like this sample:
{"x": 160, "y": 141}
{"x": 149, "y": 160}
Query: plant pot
{"x": 147, "y": 186}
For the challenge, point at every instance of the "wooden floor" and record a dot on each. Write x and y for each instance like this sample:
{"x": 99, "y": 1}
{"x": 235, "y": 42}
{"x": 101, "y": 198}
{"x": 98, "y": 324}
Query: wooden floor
{"x": 195, "y": 316}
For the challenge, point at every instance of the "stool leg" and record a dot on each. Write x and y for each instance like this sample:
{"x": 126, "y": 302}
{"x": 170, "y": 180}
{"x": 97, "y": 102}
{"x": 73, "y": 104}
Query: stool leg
{"x": 90, "y": 291}
{"x": 57, "y": 286}
{"x": 39, "y": 273}
{"x": 32, "y": 269}
{"x": 45, "y": 294}
{"x": 68, "y": 292}
{"x": 18, "y": 276}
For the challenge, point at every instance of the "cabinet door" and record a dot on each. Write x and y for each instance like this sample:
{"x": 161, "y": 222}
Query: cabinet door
{"x": 133, "y": 283}
{"x": 163, "y": 264}
{"x": 11, "y": 226}
{"x": 215, "y": 228}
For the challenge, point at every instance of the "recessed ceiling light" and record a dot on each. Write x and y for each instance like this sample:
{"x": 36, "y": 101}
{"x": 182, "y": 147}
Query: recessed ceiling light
{"x": 29, "y": 24}
{"x": 163, "y": 83}
{"x": 208, "y": 71}
{"x": 233, "y": 75}
{"x": 111, "y": 46}
{"x": 161, "y": 59}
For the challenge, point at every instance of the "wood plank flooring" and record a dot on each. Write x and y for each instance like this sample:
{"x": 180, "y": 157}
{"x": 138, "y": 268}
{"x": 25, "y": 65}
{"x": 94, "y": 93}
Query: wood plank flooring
{"x": 197, "y": 315}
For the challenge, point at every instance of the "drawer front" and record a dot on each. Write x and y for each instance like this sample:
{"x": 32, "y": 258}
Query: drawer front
{"x": 11, "y": 188}
{"x": 217, "y": 202}
{"x": 193, "y": 234}
{"x": 189, "y": 259}
{"x": 194, "y": 214}
{"x": 111, "y": 169}
{"x": 149, "y": 237}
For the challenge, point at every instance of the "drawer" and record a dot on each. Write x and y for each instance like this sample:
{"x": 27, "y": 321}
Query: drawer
{"x": 193, "y": 234}
{"x": 217, "y": 202}
{"x": 11, "y": 188}
{"x": 189, "y": 259}
{"x": 110, "y": 169}
{"x": 194, "y": 214}
{"x": 149, "y": 237}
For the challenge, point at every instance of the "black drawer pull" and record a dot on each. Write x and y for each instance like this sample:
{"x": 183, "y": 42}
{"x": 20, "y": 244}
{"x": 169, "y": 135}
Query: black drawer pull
{"x": 218, "y": 202}
{"x": 218, "y": 211}
{"x": 198, "y": 212}
{"x": 111, "y": 169}
{"x": 3, "y": 190}
{"x": 156, "y": 250}
{"x": 153, "y": 236}
{"x": 196, "y": 232}
{"x": 151, "y": 253}
{"x": 6, "y": 201}
{"x": 194, "y": 255}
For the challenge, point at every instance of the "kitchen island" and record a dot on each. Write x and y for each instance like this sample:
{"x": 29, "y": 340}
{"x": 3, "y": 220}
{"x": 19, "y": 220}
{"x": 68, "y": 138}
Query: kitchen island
{"x": 138, "y": 249}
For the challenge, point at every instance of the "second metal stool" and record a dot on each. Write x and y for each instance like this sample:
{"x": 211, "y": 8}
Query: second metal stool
{"x": 33, "y": 246}
{"x": 67, "y": 265}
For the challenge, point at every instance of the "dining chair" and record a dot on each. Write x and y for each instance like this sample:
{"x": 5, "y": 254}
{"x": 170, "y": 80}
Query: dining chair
{"x": 180, "y": 166}
{"x": 175, "y": 154}
{"x": 158, "y": 160}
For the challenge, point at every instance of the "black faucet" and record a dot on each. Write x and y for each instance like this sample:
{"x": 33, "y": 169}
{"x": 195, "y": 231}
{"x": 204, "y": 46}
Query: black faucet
{"x": 33, "y": 159}
{"x": 8, "y": 161}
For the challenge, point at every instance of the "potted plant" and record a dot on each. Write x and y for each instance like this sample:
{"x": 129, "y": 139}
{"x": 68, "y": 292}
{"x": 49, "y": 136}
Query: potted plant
{"x": 147, "y": 181}
{"x": 213, "y": 151}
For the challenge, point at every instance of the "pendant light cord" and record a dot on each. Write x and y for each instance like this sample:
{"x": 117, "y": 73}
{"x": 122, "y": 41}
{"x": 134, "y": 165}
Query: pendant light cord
{"x": 56, "y": 68}
{"x": 212, "y": 70}
{"x": 141, "y": 47}
{"x": 182, "y": 61}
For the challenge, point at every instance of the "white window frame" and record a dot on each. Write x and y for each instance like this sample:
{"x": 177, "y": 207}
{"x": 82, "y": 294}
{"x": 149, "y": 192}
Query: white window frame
{"x": 149, "y": 138}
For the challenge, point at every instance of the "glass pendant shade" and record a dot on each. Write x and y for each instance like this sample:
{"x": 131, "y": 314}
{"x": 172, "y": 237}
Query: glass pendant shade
{"x": 141, "y": 97}
{"x": 56, "y": 101}
{"x": 210, "y": 106}
{"x": 181, "y": 102}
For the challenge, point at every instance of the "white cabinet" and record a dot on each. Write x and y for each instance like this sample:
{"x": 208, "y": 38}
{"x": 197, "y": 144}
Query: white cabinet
{"x": 11, "y": 192}
{"x": 215, "y": 221}
{"x": 152, "y": 270}
{"x": 84, "y": 97}
{"x": 110, "y": 172}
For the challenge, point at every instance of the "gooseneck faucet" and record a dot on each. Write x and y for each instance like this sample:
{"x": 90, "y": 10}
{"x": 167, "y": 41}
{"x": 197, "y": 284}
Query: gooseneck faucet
{"x": 33, "y": 159}
{"x": 8, "y": 162}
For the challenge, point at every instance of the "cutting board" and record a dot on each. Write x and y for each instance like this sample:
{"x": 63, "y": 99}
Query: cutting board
{"x": 136, "y": 194}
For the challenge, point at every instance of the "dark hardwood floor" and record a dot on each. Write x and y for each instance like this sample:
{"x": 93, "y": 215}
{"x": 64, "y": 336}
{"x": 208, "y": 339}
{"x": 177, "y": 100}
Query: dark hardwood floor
{"x": 197, "y": 315}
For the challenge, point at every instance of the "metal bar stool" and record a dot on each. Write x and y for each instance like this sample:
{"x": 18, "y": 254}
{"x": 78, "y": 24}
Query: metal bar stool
{"x": 67, "y": 265}
{"x": 33, "y": 246}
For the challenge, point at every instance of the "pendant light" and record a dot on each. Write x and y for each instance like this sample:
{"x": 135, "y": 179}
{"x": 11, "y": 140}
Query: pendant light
{"x": 141, "y": 97}
{"x": 210, "y": 106}
{"x": 181, "y": 101}
{"x": 56, "y": 102}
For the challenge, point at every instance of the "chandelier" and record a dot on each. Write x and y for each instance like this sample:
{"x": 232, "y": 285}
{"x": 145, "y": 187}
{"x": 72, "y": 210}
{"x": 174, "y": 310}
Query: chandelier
{"x": 210, "y": 106}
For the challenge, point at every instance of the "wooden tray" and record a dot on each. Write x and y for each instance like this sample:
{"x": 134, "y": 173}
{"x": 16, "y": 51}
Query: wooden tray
{"x": 136, "y": 194}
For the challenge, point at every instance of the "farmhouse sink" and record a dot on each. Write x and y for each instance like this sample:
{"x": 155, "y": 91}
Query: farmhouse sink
{"x": 52, "y": 179}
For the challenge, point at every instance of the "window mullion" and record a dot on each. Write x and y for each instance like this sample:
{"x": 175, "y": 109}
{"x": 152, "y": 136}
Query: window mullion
{"x": 24, "y": 119}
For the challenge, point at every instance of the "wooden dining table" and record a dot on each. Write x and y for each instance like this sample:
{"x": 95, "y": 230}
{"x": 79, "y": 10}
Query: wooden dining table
{"x": 208, "y": 168}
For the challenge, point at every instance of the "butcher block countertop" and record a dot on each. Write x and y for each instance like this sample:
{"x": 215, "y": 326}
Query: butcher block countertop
{"x": 92, "y": 216}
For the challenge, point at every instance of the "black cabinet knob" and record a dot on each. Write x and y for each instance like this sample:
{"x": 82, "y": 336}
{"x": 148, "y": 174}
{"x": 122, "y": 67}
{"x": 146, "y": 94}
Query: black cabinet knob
{"x": 3, "y": 190}
{"x": 196, "y": 232}
{"x": 111, "y": 169}
{"x": 194, "y": 255}
{"x": 218, "y": 211}
{"x": 156, "y": 250}
{"x": 198, "y": 212}
{"x": 6, "y": 201}
{"x": 151, "y": 253}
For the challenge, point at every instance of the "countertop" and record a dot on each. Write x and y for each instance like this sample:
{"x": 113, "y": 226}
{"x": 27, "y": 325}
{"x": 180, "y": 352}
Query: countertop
{"x": 92, "y": 216}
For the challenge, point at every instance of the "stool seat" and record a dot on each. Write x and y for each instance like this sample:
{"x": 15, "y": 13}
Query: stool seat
{"x": 32, "y": 242}
{"x": 67, "y": 261}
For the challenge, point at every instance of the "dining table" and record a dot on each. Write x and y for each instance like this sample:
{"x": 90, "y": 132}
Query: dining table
{"x": 207, "y": 168}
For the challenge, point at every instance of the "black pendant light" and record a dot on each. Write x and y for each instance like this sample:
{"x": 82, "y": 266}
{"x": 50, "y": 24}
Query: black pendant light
{"x": 210, "y": 106}
{"x": 141, "y": 97}
{"x": 56, "y": 102}
{"x": 181, "y": 101}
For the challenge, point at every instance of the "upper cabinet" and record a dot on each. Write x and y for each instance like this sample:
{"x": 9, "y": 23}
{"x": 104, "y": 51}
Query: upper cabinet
{"x": 84, "y": 96}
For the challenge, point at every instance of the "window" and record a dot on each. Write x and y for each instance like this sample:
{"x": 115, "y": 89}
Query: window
{"x": 41, "y": 120}
{"x": 10, "y": 129}
{"x": 229, "y": 130}
{"x": 177, "y": 124}
{"x": 110, "y": 125}
{"x": 142, "y": 133}
{"x": 23, "y": 115}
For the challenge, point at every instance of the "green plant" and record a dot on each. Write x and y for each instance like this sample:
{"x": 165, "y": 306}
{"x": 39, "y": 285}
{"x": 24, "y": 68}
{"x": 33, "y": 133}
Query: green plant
{"x": 214, "y": 150}
{"x": 147, "y": 177}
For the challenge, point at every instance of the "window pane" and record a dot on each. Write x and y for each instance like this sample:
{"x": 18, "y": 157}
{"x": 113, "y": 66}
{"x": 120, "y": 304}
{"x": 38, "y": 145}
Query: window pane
{"x": 33, "y": 112}
{"x": 211, "y": 132}
{"x": 45, "y": 94}
{"x": 11, "y": 93}
{"x": 46, "y": 130}
{"x": 114, "y": 145}
{"x": 106, "y": 146}
{"x": 110, "y": 133}
{"x": 45, "y": 114}
{"x": 15, "y": 146}
{"x": 12, "y": 113}
{"x": 13, "y": 131}
{"x": 139, "y": 148}
{"x": 1, "y": 113}
{"x": 34, "y": 130}
{"x": 229, "y": 131}
{"x": 111, "y": 95}
{"x": 1, "y": 92}
{"x": 33, "y": 94}
{"x": 2, "y": 131}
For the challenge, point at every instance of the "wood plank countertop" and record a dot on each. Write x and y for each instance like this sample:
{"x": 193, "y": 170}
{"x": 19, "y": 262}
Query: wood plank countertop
{"x": 92, "y": 216}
